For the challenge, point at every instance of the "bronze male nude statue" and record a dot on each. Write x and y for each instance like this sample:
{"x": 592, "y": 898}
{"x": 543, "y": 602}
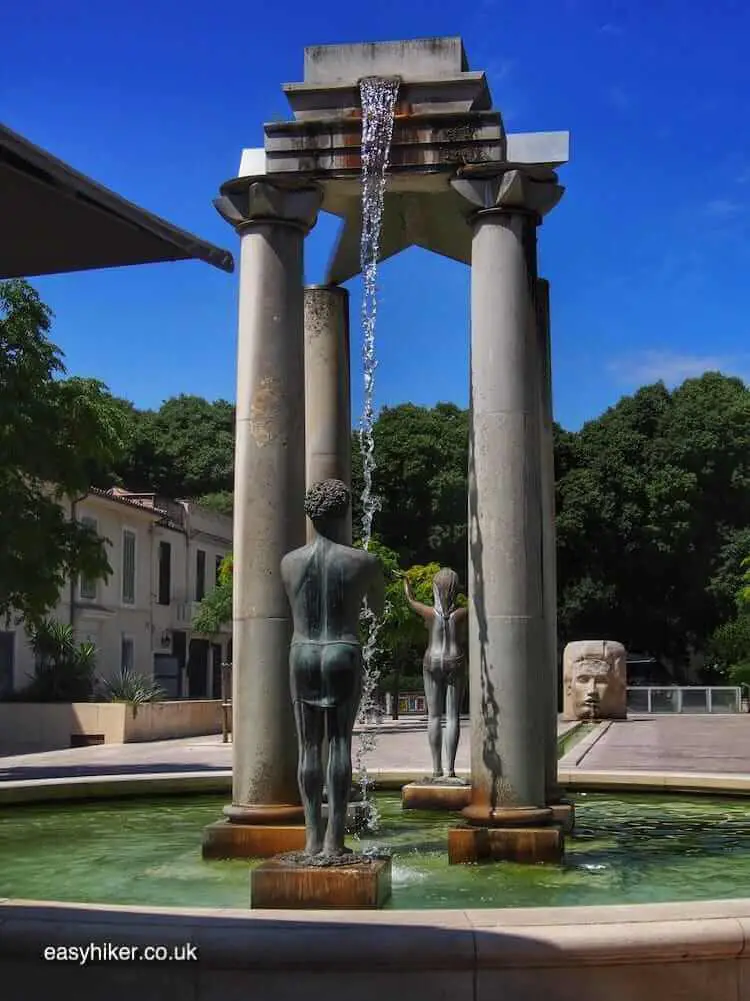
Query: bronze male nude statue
{"x": 326, "y": 583}
{"x": 443, "y": 666}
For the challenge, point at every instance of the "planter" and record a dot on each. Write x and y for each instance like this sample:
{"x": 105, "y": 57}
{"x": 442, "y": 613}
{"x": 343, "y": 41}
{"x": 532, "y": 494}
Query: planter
{"x": 29, "y": 726}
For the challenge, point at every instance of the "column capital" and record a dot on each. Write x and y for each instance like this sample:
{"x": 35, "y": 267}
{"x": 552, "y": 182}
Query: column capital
{"x": 246, "y": 201}
{"x": 511, "y": 191}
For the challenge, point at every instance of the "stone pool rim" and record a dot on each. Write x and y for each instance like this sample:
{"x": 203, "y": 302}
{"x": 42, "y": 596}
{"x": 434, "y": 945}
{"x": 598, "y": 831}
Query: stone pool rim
{"x": 702, "y": 947}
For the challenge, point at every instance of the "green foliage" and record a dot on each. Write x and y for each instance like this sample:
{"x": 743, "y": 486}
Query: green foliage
{"x": 131, "y": 687}
{"x": 222, "y": 501}
{"x": 420, "y": 477}
{"x": 729, "y": 644}
{"x": 740, "y": 674}
{"x": 184, "y": 449}
{"x": 64, "y": 670}
{"x": 215, "y": 610}
{"x": 57, "y": 437}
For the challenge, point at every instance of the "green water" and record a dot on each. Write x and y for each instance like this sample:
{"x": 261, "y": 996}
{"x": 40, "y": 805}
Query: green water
{"x": 626, "y": 849}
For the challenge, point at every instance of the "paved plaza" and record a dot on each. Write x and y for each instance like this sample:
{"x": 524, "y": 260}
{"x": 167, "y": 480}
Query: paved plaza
{"x": 656, "y": 743}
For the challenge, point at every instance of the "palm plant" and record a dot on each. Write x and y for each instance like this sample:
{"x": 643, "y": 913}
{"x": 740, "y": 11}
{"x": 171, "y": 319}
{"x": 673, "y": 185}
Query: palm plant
{"x": 64, "y": 670}
{"x": 131, "y": 687}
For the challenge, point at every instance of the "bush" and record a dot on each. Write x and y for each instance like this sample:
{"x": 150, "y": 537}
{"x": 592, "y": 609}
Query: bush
{"x": 131, "y": 687}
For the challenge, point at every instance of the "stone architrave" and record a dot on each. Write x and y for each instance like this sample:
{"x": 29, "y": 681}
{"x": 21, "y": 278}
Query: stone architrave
{"x": 509, "y": 684}
{"x": 595, "y": 680}
{"x": 328, "y": 423}
{"x": 272, "y": 219}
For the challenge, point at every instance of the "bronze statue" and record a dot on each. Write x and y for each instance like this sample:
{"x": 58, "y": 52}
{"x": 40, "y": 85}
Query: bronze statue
{"x": 443, "y": 666}
{"x": 326, "y": 583}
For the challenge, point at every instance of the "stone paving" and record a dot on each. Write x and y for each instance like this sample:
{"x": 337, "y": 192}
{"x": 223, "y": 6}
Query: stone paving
{"x": 682, "y": 743}
{"x": 655, "y": 743}
{"x": 401, "y": 744}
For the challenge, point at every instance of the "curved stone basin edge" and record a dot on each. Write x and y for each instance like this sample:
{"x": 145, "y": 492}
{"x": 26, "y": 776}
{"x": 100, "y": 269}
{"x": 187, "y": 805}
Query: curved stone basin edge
{"x": 621, "y": 952}
{"x": 220, "y": 781}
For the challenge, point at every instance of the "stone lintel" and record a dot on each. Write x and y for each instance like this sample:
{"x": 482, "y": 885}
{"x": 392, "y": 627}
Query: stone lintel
{"x": 433, "y": 796}
{"x": 511, "y": 844}
{"x": 224, "y": 839}
{"x": 341, "y": 100}
{"x": 277, "y": 884}
{"x": 408, "y": 58}
{"x": 245, "y": 200}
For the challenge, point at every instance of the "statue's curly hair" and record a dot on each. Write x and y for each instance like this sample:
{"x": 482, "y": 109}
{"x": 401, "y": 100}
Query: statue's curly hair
{"x": 327, "y": 499}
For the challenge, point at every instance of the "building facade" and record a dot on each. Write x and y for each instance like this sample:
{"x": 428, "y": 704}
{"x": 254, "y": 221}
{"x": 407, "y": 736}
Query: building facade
{"x": 165, "y": 556}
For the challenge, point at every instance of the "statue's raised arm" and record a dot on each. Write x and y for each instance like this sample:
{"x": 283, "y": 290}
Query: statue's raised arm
{"x": 425, "y": 611}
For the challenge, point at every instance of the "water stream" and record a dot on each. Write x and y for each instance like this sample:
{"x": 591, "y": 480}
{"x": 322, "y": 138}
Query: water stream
{"x": 378, "y": 97}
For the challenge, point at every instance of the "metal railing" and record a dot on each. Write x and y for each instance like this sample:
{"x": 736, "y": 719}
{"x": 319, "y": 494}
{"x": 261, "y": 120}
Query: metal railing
{"x": 692, "y": 699}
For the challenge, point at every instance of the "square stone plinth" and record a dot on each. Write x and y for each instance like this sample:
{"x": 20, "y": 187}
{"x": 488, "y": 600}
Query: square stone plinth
{"x": 433, "y": 796}
{"x": 360, "y": 885}
{"x": 227, "y": 840}
{"x": 510, "y": 844}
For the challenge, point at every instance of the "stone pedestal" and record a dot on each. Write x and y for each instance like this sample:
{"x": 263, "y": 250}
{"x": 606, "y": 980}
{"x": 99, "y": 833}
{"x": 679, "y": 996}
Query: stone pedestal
{"x": 272, "y": 220}
{"x": 435, "y": 796}
{"x": 227, "y": 840}
{"x": 508, "y": 844}
{"x": 364, "y": 884}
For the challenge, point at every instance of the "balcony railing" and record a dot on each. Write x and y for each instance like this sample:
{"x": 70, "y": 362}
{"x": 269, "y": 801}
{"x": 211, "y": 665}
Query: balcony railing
{"x": 674, "y": 699}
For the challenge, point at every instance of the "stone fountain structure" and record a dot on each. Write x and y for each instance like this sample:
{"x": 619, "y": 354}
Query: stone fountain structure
{"x": 458, "y": 185}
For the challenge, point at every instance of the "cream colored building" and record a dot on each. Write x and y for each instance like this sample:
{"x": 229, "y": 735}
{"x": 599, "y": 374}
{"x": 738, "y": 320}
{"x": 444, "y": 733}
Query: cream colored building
{"x": 164, "y": 557}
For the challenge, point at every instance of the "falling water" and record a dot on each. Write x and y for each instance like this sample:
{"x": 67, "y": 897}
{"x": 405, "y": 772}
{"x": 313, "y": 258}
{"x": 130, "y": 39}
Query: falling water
{"x": 378, "y": 97}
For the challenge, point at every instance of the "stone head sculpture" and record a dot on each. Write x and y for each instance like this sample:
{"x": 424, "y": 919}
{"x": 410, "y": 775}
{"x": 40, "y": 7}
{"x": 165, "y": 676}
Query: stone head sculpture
{"x": 594, "y": 680}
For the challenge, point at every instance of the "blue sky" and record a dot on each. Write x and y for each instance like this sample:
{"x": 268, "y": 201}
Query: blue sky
{"x": 648, "y": 253}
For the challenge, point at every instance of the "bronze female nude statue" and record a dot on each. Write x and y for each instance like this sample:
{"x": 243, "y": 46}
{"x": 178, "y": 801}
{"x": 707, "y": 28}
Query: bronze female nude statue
{"x": 443, "y": 666}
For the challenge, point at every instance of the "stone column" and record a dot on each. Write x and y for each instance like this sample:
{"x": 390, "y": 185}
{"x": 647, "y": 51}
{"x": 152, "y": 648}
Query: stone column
{"x": 509, "y": 707}
{"x": 269, "y": 515}
{"x": 549, "y": 554}
{"x": 328, "y": 424}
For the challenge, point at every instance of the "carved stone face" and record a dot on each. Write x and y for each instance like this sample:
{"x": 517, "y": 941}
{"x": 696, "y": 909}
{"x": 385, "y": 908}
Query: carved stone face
{"x": 594, "y": 675}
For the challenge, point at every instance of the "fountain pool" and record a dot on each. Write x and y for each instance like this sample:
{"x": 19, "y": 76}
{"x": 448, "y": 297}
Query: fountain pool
{"x": 626, "y": 849}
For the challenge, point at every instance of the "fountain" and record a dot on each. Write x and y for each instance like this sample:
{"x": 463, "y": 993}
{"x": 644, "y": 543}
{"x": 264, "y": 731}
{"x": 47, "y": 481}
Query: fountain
{"x": 399, "y": 139}
{"x": 460, "y": 186}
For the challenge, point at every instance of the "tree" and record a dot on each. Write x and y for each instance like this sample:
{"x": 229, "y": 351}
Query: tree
{"x": 57, "y": 437}
{"x": 653, "y": 494}
{"x": 215, "y": 609}
{"x": 184, "y": 449}
{"x": 420, "y": 479}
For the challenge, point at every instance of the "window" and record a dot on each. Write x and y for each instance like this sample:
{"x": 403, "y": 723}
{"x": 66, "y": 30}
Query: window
{"x": 87, "y": 587}
{"x": 219, "y": 560}
{"x": 128, "y": 567}
{"x": 127, "y": 653}
{"x": 7, "y": 661}
{"x": 165, "y": 573}
{"x": 200, "y": 574}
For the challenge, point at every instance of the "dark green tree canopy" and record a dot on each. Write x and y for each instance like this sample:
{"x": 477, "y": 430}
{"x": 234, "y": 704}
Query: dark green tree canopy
{"x": 58, "y": 437}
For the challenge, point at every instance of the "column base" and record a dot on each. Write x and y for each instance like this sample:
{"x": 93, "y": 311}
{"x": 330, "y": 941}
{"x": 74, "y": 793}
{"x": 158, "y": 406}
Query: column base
{"x": 434, "y": 795}
{"x": 564, "y": 814}
{"x": 225, "y": 839}
{"x": 484, "y": 815}
{"x": 282, "y": 883}
{"x": 509, "y": 844}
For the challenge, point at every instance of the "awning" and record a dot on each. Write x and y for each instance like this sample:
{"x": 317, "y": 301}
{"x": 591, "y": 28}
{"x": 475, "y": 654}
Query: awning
{"x": 54, "y": 220}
